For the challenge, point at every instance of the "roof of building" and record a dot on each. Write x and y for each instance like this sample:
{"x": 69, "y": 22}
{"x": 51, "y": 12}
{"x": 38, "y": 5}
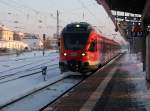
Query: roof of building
{"x": 132, "y": 6}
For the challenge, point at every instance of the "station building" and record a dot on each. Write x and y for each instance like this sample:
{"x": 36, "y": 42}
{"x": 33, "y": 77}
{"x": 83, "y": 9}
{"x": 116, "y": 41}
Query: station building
{"x": 33, "y": 41}
{"x": 10, "y": 40}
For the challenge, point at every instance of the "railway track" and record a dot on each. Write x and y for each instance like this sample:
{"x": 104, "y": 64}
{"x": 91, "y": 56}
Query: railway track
{"x": 26, "y": 58}
{"x": 28, "y": 64}
{"x": 43, "y": 94}
{"x": 56, "y": 87}
{"x": 35, "y": 67}
{"x": 89, "y": 75}
{"x": 26, "y": 73}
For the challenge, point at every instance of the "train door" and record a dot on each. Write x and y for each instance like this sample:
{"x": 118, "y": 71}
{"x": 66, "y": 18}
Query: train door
{"x": 102, "y": 51}
{"x": 99, "y": 51}
{"x": 93, "y": 55}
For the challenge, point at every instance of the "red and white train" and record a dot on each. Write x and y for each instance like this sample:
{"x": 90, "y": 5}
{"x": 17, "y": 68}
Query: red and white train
{"x": 83, "y": 49}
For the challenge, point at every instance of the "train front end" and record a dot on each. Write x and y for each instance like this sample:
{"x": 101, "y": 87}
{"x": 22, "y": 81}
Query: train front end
{"x": 73, "y": 47}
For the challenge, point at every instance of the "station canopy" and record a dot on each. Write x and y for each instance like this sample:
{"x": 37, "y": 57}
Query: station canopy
{"x": 131, "y": 6}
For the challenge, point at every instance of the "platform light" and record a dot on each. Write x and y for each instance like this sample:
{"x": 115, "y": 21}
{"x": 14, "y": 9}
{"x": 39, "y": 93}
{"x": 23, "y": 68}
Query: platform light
{"x": 65, "y": 54}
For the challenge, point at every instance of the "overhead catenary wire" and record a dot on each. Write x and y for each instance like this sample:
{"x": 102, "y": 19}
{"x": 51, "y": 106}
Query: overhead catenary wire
{"x": 92, "y": 14}
{"x": 89, "y": 11}
{"x": 24, "y": 10}
{"x": 19, "y": 7}
{"x": 41, "y": 19}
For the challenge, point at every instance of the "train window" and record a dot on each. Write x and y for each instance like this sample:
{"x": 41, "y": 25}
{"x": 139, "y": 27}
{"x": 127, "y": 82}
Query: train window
{"x": 77, "y": 29}
{"x": 75, "y": 41}
{"x": 92, "y": 47}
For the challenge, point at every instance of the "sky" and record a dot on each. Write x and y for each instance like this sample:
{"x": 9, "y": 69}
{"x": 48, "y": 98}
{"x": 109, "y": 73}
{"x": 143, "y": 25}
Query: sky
{"x": 39, "y": 16}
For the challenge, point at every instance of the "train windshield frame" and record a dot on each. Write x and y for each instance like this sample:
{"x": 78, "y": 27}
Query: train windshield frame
{"x": 75, "y": 41}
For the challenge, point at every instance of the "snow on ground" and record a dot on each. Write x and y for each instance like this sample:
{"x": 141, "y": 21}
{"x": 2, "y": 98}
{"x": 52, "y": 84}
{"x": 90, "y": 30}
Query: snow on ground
{"x": 24, "y": 61}
{"x": 14, "y": 64}
{"x": 26, "y": 55}
{"x": 42, "y": 97}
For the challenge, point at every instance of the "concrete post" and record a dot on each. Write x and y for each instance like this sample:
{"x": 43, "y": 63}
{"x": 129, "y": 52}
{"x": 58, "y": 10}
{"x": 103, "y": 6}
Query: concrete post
{"x": 148, "y": 58}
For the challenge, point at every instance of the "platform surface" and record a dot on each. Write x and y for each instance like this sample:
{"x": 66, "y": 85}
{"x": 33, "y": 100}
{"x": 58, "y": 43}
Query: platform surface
{"x": 121, "y": 86}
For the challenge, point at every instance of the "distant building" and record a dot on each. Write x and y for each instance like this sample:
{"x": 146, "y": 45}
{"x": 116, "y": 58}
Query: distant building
{"x": 55, "y": 36}
{"x": 53, "y": 43}
{"x": 46, "y": 43}
{"x": 6, "y": 34}
{"x": 7, "y": 40}
{"x": 13, "y": 45}
{"x": 18, "y": 36}
{"x": 34, "y": 42}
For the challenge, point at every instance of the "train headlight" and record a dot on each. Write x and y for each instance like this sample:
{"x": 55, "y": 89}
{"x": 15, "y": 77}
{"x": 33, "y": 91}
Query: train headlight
{"x": 83, "y": 54}
{"x": 78, "y": 25}
{"x": 65, "y": 54}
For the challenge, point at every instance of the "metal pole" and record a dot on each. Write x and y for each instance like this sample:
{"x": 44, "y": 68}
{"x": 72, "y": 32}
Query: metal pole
{"x": 124, "y": 16}
{"x": 148, "y": 58}
{"x": 116, "y": 16}
{"x": 44, "y": 38}
{"x": 57, "y": 24}
{"x": 57, "y": 32}
{"x": 83, "y": 16}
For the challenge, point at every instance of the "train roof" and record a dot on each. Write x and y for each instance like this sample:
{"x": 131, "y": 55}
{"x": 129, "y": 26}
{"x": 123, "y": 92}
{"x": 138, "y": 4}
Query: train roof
{"x": 78, "y": 27}
{"x": 82, "y": 24}
{"x": 84, "y": 27}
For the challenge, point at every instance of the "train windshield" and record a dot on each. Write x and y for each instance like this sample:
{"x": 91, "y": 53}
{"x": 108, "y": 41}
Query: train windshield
{"x": 75, "y": 41}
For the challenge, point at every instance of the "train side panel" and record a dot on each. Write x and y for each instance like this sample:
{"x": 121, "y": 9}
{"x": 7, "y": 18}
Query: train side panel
{"x": 96, "y": 50}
